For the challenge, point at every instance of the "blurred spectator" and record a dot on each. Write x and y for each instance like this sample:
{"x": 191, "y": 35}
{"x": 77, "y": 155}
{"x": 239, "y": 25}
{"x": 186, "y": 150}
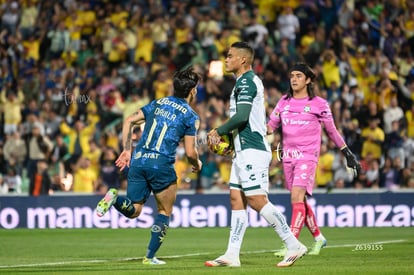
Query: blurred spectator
{"x": 94, "y": 155}
{"x": 390, "y": 176}
{"x": 40, "y": 182}
{"x": 10, "y": 16}
{"x": 133, "y": 103}
{"x": 209, "y": 170}
{"x": 257, "y": 35}
{"x": 12, "y": 115}
{"x": 159, "y": 31}
{"x": 162, "y": 86}
{"x": 330, "y": 73}
{"x": 371, "y": 112}
{"x": 59, "y": 40}
{"x": 394, "y": 143}
{"x": 288, "y": 25}
{"x": 373, "y": 140}
{"x": 186, "y": 52}
{"x": 15, "y": 151}
{"x": 373, "y": 174}
{"x": 13, "y": 180}
{"x": 28, "y": 19}
{"x": 39, "y": 147}
{"x": 392, "y": 113}
{"x": 56, "y": 162}
{"x": 85, "y": 180}
{"x": 328, "y": 15}
{"x": 78, "y": 136}
{"x": 207, "y": 29}
{"x": 324, "y": 173}
{"x": 409, "y": 117}
{"x": 109, "y": 174}
{"x": 182, "y": 169}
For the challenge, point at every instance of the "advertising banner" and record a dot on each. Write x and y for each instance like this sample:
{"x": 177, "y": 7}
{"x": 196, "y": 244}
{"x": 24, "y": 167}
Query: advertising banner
{"x": 383, "y": 209}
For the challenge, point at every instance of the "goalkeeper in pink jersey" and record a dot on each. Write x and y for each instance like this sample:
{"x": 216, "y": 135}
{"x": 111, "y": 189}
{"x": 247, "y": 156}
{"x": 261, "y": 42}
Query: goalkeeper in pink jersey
{"x": 300, "y": 114}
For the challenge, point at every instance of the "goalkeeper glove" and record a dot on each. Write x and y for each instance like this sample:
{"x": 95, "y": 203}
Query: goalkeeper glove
{"x": 351, "y": 161}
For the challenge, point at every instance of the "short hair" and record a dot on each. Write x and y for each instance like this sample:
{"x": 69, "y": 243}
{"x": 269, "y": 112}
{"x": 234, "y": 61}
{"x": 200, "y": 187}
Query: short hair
{"x": 244, "y": 46}
{"x": 184, "y": 81}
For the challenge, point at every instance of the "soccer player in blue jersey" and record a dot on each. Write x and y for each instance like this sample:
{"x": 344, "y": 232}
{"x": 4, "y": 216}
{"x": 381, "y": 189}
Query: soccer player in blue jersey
{"x": 151, "y": 166}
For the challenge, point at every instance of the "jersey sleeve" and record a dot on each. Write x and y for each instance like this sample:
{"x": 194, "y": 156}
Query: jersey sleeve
{"x": 326, "y": 118}
{"x": 274, "y": 117}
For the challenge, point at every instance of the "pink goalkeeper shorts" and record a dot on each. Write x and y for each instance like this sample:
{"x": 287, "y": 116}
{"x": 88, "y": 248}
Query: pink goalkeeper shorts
{"x": 300, "y": 173}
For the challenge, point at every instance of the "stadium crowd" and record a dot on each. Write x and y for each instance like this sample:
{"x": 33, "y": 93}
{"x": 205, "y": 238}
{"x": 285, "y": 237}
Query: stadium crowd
{"x": 71, "y": 70}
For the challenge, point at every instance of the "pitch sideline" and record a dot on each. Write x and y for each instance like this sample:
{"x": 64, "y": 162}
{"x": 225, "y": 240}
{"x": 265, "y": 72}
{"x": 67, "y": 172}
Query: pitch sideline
{"x": 181, "y": 256}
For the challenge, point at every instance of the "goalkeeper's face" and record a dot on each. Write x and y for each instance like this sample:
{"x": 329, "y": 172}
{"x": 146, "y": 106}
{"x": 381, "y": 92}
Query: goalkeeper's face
{"x": 298, "y": 81}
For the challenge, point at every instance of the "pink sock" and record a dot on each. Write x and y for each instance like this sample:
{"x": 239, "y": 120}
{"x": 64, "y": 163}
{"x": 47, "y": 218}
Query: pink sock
{"x": 298, "y": 218}
{"x": 310, "y": 221}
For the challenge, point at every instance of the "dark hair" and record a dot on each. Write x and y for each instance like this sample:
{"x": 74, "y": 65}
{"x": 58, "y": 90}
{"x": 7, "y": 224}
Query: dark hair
{"x": 308, "y": 72}
{"x": 243, "y": 45}
{"x": 184, "y": 82}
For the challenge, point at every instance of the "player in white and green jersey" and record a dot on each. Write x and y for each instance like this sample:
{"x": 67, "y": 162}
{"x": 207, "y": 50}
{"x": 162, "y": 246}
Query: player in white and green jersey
{"x": 248, "y": 96}
{"x": 249, "y": 181}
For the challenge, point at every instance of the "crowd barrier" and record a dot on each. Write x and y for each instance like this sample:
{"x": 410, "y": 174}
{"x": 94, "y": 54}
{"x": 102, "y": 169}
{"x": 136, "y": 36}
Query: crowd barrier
{"x": 338, "y": 209}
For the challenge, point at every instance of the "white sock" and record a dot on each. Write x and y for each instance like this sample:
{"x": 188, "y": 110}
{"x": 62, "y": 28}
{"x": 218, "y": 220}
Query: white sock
{"x": 238, "y": 228}
{"x": 276, "y": 219}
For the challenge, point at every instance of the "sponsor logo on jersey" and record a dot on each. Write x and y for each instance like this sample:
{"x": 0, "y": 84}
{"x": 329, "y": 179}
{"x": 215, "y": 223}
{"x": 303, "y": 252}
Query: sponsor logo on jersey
{"x": 146, "y": 155}
{"x": 287, "y": 121}
{"x": 175, "y": 105}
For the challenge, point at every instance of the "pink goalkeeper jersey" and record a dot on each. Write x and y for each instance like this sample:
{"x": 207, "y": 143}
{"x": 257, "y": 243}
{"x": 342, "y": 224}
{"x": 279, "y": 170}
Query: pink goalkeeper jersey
{"x": 301, "y": 121}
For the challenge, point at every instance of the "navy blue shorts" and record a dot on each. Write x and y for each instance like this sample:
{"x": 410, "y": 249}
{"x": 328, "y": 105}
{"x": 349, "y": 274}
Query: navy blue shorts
{"x": 143, "y": 180}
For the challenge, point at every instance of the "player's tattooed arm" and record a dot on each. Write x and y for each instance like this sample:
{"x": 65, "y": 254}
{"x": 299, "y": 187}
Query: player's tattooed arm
{"x": 132, "y": 121}
{"x": 127, "y": 145}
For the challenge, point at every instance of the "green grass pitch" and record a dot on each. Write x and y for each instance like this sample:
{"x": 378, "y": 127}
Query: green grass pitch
{"x": 120, "y": 251}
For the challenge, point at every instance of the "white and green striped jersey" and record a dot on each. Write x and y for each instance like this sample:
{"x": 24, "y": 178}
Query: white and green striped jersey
{"x": 249, "y": 90}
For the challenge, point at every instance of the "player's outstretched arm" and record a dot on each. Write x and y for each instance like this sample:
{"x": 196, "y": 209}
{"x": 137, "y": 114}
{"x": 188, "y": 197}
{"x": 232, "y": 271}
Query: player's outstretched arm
{"x": 192, "y": 153}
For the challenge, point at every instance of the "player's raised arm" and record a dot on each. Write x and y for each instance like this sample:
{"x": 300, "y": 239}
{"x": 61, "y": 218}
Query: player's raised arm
{"x": 130, "y": 122}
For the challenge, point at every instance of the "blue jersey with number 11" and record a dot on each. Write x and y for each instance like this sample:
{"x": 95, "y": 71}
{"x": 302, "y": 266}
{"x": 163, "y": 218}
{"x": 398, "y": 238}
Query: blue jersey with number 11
{"x": 167, "y": 121}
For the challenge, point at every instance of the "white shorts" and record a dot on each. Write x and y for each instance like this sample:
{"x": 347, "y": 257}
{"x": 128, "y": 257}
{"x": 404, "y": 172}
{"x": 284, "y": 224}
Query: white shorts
{"x": 250, "y": 172}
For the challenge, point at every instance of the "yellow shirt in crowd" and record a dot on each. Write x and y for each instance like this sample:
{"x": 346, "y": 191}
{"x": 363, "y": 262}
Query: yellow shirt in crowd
{"x": 324, "y": 173}
{"x": 370, "y": 146}
{"x": 84, "y": 180}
